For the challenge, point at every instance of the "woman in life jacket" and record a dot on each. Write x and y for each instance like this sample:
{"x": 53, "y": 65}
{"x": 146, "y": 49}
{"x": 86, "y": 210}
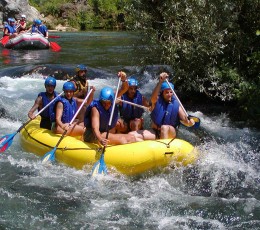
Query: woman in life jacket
{"x": 131, "y": 116}
{"x": 98, "y": 115}
{"x": 21, "y": 24}
{"x": 166, "y": 112}
{"x": 64, "y": 110}
{"x": 42, "y": 100}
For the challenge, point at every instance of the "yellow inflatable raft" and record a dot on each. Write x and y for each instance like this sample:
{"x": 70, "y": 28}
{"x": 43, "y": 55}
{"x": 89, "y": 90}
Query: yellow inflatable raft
{"x": 129, "y": 159}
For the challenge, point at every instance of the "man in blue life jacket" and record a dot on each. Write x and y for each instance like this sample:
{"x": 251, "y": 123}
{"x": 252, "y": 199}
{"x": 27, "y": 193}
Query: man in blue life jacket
{"x": 64, "y": 110}
{"x": 98, "y": 114}
{"x": 131, "y": 116}
{"x": 40, "y": 28}
{"x": 10, "y": 28}
{"x": 42, "y": 100}
{"x": 166, "y": 113}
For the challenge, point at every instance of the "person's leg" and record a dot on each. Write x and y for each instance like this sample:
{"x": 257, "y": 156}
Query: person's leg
{"x": 75, "y": 130}
{"x": 121, "y": 126}
{"x": 167, "y": 131}
{"x": 119, "y": 139}
{"x": 141, "y": 135}
{"x": 136, "y": 124}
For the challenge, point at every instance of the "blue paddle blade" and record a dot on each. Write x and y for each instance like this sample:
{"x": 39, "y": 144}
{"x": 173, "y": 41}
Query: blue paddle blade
{"x": 196, "y": 122}
{"x": 6, "y": 141}
{"x": 49, "y": 156}
{"x": 100, "y": 167}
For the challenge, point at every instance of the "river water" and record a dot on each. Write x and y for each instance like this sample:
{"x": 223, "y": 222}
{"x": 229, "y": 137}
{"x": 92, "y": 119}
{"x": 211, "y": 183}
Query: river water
{"x": 221, "y": 191}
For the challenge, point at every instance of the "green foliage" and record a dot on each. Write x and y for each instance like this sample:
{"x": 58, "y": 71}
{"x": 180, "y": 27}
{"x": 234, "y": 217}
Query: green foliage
{"x": 212, "y": 45}
{"x": 91, "y": 14}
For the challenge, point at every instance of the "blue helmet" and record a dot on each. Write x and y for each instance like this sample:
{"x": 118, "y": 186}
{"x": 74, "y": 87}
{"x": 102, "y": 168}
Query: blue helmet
{"x": 50, "y": 81}
{"x": 37, "y": 21}
{"x": 166, "y": 86}
{"x": 107, "y": 94}
{"x": 69, "y": 86}
{"x": 132, "y": 82}
{"x": 81, "y": 67}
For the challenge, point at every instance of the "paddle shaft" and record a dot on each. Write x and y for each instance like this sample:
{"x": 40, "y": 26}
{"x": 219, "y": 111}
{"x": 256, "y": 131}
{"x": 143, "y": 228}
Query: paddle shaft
{"x": 45, "y": 107}
{"x": 112, "y": 112}
{"x": 177, "y": 99}
{"x": 131, "y": 103}
{"x": 74, "y": 117}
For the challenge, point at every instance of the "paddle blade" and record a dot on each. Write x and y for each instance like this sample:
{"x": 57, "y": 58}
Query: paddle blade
{"x": 4, "y": 40}
{"x": 49, "y": 157}
{"x": 196, "y": 122}
{"x": 55, "y": 47}
{"x": 99, "y": 167}
{"x": 6, "y": 141}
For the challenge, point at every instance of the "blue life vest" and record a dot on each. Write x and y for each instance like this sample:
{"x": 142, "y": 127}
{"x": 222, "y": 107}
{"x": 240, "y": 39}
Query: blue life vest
{"x": 45, "y": 100}
{"x": 103, "y": 114}
{"x": 69, "y": 109}
{"x": 11, "y": 29}
{"x": 34, "y": 29}
{"x": 166, "y": 113}
{"x": 130, "y": 112}
{"x": 43, "y": 30}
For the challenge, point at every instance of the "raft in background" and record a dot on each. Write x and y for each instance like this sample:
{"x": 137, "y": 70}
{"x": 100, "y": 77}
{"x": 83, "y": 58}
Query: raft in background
{"x": 128, "y": 159}
{"x": 28, "y": 41}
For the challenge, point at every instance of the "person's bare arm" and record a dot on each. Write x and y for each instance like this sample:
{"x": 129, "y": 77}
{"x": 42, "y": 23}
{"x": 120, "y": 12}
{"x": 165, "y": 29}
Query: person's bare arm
{"x": 59, "y": 112}
{"x": 37, "y": 105}
{"x": 124, "y": 86}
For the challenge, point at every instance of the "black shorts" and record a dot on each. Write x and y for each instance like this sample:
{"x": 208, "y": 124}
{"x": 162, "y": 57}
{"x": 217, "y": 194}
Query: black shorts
{"x": 45, "y": 123}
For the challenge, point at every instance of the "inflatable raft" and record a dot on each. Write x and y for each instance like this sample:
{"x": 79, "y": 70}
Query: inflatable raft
{"x": 28, "y": 41}
{"x": 128, "y": 159}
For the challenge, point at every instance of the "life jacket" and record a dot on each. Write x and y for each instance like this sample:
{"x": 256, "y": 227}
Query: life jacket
{"x": 130, "y": 112}
{"x": 34, "y": 29}
{"x": 42, "y": 29}
{"x": 166, "y": 113}
{"x": 69, "y": 109}
{"x": 22, "y": 22}
{"x": 45, "y": 100}
{"x": 11, "y": 29}
{"x": 103, "y": 114}
{"x": 81, "y": 84}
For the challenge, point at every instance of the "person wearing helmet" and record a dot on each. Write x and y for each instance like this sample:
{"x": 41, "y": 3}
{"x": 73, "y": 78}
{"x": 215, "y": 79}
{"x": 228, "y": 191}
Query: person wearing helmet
{"x": 166, "y": 112}
{"x": 97, "y": 118}
{"x": 81, "y": 84}
{"x": 42, "y": 100}
{"x": 21, "y": 24}
{"x": 64, "y": 110}
{"x": 39, "y": 27}
{"x": 131, "y": 116}
{"x": 10, "y": 29}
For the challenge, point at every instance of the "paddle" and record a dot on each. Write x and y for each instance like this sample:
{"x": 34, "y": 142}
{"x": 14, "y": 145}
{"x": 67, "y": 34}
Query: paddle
{"x": 4, "y": 40}
{"x": 54, "y": 36}
{"x": 54, "y": 46}
{"x": 50, "y": 156}
{"x": 134, "y": 104}
{"x": 196, "y": 119}
{"x": 6, "y": 141}
{"x": 100, "y": 166}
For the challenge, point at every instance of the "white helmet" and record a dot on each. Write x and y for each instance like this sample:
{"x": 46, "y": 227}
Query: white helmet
{"x": 23, "y": 16}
